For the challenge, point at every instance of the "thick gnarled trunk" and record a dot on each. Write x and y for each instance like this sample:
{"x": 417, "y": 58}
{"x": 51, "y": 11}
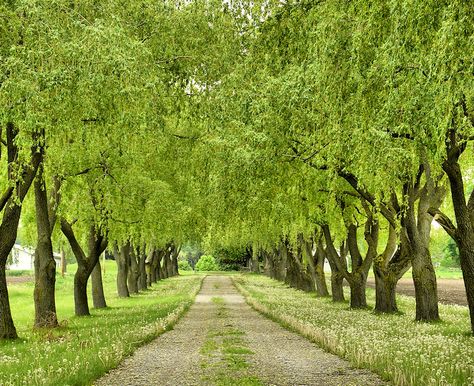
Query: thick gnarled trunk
{"x": 385, "y": 295}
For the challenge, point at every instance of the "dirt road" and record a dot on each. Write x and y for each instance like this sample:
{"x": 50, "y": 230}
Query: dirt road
{"x": 222, "y": 341}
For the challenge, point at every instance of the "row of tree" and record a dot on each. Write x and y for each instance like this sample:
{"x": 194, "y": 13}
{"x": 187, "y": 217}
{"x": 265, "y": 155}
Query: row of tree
{"x": 299, "y": 130}
{"x": 93, "y": 97}
{"x": 351, "y": 135}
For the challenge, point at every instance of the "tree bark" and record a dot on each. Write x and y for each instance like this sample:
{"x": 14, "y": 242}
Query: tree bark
{"x": 133, "y": 272}
{"x": 358, "y": 285}
{"x": 169, "y": 264}
{"x": 417, "y": 223}
{"x": 316, "y": 266}
{"x": 337, "y": 262}
{"x": 280, "y": 262}
{"x": 320, "y": 278}
{"x": 337, "y": 280}
{"x": 11, "y": 204}
{"x": 254, "y": 264}
{"x": 385, "y": 295}
{"x": 174, "y": 260}
{"x": 463, "y": 234}
{"x": 121, "y": 259}
{"x": 85, "y": 263}
{"x": 98, "y": 297}
{"x": 7, "y": 328}
{"x": 63, "y": 262}
{"x": 159, "y": 269}
{"x": 142, "y": 280}
{"x": 81, "y": 304}
{"x": 45, "y": 265}
{"x": 296, "y": 275}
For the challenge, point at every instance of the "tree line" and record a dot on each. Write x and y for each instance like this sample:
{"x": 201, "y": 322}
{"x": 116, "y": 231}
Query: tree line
{"x": 302, "y": 131}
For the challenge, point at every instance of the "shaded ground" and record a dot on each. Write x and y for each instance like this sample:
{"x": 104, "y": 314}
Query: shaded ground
{"x": 450, "y": 291}
{"x": 222, "y": 341}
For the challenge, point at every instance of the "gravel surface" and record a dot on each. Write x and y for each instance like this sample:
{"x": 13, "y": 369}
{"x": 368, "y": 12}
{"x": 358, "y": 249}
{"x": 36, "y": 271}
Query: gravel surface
{"x": 194, "y": 353}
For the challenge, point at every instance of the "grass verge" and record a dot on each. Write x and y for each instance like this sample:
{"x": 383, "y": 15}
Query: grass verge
{"x": 84, "y": 348}
{"x": 394, "y": 346}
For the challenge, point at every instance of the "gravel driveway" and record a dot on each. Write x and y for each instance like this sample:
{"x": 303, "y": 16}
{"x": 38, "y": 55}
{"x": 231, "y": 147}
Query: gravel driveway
{"x": 222, "y": 341}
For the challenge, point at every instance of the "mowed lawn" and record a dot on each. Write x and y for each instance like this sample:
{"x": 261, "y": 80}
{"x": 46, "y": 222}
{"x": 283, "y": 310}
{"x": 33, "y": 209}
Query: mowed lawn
{"x": 83, "y": 348}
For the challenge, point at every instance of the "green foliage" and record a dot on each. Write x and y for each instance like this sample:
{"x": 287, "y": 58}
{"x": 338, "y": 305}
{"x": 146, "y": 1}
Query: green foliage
{"x": 183, "y": 265}
{"x": 231, "y": 258}
{"x": 452, "y": 253}
{"x": 207, "y": 263}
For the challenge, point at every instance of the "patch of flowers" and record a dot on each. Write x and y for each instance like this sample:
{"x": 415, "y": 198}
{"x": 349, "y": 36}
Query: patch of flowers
{"x": 395, "y": 346}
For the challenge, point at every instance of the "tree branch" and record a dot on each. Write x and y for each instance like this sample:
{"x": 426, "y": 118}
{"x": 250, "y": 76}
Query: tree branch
{"x": 67, "y": 230}
{"x": 444, "y": 221}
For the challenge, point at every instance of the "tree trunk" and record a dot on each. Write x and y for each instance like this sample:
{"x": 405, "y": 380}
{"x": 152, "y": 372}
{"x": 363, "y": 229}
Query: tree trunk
{"x": 45, "y": 265}
{"x": 296, "y": 275}
{"x": 98, "y": 297}
{"x": 85, "y": 264}
{"x": 316, "y": 267}
{"x": 7, "y": 328}
{"x": 63, "y": 262}
{"x": 280, "y": 258}
{"x": 358, "y": 284}
{"x": 154, "y": 267}
{"x": 320, "y": 278}
{"x": 337, "y": 290}
{"x": 169, "y": 265}
{"x": 121, "y": 259}
{"x": 133, "y": 273}
{"x": 463, "y": 234}
{"x": 142, "y": 281}
{"x": 159, "y": 269}
{"x": 11, "y": 217}
{"x": 254, "y": 264}
{"x": 174, "y": 261}
{"x": 150, "y": 272}
{"x": 385, "y": 291}
{"x": 466, "y": 255}
{"x": 426, "y": 293}
{"x": 81, "y": 304}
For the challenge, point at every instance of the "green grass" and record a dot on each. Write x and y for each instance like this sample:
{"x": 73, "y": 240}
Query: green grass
{"x": 19, "y": 272}
{"x": 395, "y": 346}
{"x": 448, "y": 273}
{"x": 86, "y": 347}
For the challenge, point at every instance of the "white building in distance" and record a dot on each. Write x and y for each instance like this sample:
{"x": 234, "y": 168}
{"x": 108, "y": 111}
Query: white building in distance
{"x": 23, "y": 258}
